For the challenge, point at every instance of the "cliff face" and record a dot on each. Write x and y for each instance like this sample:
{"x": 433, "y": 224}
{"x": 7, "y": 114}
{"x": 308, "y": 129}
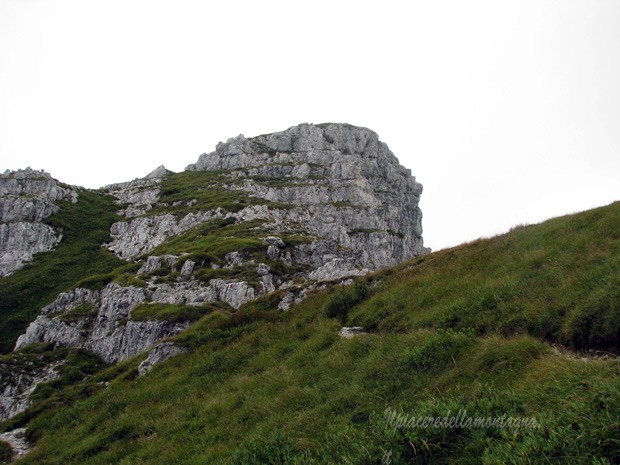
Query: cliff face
{"x": 349, "y": 187}
{"x": 26, "y": 198}
{"x": 285, "y": 213}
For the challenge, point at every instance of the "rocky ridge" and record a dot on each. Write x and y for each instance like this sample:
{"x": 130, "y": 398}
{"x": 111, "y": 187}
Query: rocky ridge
{"x": 285, "y": 213}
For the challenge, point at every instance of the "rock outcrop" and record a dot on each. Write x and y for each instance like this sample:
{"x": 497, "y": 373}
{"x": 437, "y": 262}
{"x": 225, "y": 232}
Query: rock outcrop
{"x": 26, "y": 198}
{"x": 348, "y": 332}
{"x": 18, "y": 383}
{"x": 105, "y": 327}
{"x": 161, "y": 353}
{"x": 18, "y": 442}
{"x": 343, "y": 190}
{"x": 143, "y": 234}
{"x": 106, "y": 330}
{"x": 348, "y": 185}
{"x": 306, "y": 207}
{"x": 139, "y": 195}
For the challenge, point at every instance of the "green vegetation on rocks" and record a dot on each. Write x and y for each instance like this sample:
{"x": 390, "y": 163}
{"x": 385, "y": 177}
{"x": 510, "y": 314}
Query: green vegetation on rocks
{"x": 193, "y": 191}
{"x": 173, "y": 313}
{"x": 85, "y": 225}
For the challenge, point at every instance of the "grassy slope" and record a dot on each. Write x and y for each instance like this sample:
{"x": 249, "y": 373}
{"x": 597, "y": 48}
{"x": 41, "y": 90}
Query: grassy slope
{"x": 558, "y": 281}
{"x": 461, "y": 329}
{"x": 85, "y": 226}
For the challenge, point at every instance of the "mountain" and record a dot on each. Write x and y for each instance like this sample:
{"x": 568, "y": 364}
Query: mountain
{"x": 303, "y": 321}
{"x": 115, "y": 271}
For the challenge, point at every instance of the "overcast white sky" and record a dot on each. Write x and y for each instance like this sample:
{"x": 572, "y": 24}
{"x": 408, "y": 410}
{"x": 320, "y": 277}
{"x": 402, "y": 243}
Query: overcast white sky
{"x": 507, "y": 111}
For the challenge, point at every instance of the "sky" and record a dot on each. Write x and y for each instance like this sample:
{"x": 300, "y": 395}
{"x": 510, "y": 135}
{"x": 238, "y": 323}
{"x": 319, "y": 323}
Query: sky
{"x": 508, "y": 112}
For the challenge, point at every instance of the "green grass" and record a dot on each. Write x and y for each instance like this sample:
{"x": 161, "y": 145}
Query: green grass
{"x": 286, "y": 389}
{"x": 173, "y": 313}
{"x": 6, "y": 453}
{"x": 465, "y": 329}
{"x": 217, "y": 238}
{"x": 208, "y": 190}
{"x": 558, "y": 281}
{"x": 85, "y": 226}
{"x": 363, "y": 231}
{"x": 207, "y": 244}
{"x": 347, "y": 297}
{"x": 79, "y": 313}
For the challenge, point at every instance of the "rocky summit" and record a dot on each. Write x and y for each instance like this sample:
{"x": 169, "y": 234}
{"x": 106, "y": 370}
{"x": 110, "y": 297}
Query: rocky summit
{"x": 285, "y": 214}
{"x": 344, "y": 185}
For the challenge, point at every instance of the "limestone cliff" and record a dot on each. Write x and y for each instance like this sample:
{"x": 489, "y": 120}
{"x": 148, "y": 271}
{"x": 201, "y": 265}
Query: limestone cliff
{"x": 26, "y": 198}
{"x": 347, "y": 185}
{"x": 282, "y": 214}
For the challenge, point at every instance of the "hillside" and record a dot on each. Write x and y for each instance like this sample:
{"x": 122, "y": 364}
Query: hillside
{"x": 90, "y": 278}
{"x": 525, "y": 326}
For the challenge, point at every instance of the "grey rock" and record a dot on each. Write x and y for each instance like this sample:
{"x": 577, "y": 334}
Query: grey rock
{"x": 350, "y": 189}
{"x": 161, "y": 353}
{"x": 301, "y": 296}
{"x": 185, "y": 293}
{"x": 17, "y": 439}
{"x": 350, "y": 332}
{"x": 159, "y": 172}
{"x": 337, "y": 269}
{"x": 232, "y": 292}
{"x": 273, "y": 252}
{"x": 20, "y": 241}
{"x": 234, "y": 259}
{"x": 69, "y": 300}
{"x": 234, "y": 146}
{"x": 143, "y": 234}
{"x": 188, "y": 267}
{"x": 25, "y": 209}
{"x": 318, "y": 253}
{"x": 33, "y": 183}
{"x": 267, "y": 283}
{"x": 293, "y": 297}
{"x": 17, "y": 384}
{"x": 138, "y": 195}
{"x": 287, "y": 301}
{"x": 26, "y": 198}
{"x": 109, "y": 335}
{"x": 132, "y": 338}
{"x": 276, "y": 241}
{"x": 48, "y": 329}
{"x": 153, "y": 263}
{"x": 262, "y": 269}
